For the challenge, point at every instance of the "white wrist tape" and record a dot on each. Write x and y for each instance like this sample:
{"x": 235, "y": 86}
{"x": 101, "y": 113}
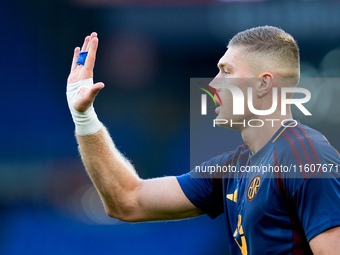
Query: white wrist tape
{"x": 87, "y": 122}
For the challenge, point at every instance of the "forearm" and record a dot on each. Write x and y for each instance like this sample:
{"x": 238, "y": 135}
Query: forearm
{"x": 112, "y": 174}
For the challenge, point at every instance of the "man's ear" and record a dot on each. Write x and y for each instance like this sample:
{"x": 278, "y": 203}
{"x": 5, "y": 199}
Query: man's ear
{"x": 265, "y": 84}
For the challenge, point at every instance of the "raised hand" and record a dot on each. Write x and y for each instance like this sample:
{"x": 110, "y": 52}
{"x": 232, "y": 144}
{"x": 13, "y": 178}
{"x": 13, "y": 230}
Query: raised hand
{"x": 81, "y": 91}
{"x": 86, "y": 95}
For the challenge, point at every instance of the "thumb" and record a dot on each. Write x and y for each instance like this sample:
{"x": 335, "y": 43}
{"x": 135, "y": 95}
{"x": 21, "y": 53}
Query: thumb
{"x": 86, "y": 97}
{"x": 95, "y": 90}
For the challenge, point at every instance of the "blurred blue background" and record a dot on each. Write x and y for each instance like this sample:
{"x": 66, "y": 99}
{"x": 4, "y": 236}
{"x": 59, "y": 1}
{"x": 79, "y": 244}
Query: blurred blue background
{"x": 148, "y": 51}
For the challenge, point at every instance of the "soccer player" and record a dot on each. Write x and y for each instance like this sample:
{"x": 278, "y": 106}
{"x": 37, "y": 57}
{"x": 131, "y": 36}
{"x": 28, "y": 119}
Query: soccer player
{"x": 266, "y": 213}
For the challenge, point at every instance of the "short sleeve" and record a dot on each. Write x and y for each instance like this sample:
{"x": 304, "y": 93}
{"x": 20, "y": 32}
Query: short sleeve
{"x": 205, "y": 191}
{"x": 317, "y": 202}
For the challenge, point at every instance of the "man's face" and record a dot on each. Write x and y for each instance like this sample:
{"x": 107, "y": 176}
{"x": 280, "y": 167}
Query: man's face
{"x": 233, "y": 66}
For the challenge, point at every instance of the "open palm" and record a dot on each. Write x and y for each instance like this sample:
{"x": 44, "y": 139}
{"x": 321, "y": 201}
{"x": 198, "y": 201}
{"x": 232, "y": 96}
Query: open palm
{"x": 85, "y": 96}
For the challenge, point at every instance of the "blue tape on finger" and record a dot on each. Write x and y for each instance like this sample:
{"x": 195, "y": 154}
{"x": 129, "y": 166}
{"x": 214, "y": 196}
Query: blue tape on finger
{"x": 81, "y": 58}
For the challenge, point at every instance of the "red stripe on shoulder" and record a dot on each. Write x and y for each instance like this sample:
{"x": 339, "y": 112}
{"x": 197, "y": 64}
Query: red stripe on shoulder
{"x": 311, "y": 144}
{"x": 303, "y": 147}
{"x": 296, "y": 154}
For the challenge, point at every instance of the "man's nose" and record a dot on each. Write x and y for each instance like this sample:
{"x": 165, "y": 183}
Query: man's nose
{"x": 213, "y": 84}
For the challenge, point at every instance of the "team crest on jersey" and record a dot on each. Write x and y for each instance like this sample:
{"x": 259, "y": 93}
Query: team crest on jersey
{"x": 253, "y": 188}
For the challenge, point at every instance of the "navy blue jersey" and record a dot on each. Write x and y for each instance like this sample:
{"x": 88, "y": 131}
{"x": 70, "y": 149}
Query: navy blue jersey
{"x": 276, "y": 200}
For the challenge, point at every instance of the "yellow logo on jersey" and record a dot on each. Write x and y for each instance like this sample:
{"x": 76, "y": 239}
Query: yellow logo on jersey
{"x": 254, "y": 187}
{"x": 239, "y": 237}
{"x": 233, "y": 197}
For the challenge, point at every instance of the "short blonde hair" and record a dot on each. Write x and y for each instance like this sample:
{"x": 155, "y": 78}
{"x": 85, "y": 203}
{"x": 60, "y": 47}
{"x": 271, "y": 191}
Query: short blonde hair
{"x": 272, "y": 41}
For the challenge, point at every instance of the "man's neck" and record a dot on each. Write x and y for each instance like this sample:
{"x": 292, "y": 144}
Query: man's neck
{"x": 257, "y": 137}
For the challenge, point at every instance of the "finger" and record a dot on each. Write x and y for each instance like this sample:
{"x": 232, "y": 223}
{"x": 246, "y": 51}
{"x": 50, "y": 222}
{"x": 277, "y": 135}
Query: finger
{"x": 87, "y": 97}
{"x": 93, "y": 35}
{"x": 85, "y": 44}
{"x": 95, "y": 90}
{"x": 91, "y": 56}
{"x": 75, "y": 58}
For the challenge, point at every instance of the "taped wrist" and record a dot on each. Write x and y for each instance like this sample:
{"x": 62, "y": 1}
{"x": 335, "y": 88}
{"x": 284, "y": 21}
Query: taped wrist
{"x": 87, "y": 122}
